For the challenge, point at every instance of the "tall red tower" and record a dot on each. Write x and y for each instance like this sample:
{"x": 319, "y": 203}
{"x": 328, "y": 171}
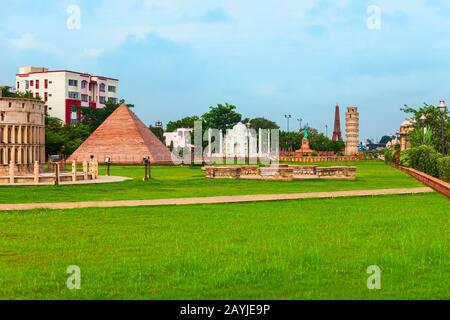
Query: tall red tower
{"x": 337, "y": 134}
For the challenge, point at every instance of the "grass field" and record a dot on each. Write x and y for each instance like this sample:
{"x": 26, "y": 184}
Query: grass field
{"x": 175, "y": 182}
{"x": 277, "y": 250}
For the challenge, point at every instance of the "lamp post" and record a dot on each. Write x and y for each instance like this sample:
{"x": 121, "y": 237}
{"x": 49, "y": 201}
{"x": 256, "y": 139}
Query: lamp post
{"x": 108, "y": 163}
{"x": 443, "y": 109}
{"x": 288, "y": 116}
{"x": 300, "y": 124}
{"x": 326, "y": 130}
{"x": 146, "y": 161}
{"x": 55, "y": 159}
{"x": 423, "y": 118}
{"x": 248, "y": 141}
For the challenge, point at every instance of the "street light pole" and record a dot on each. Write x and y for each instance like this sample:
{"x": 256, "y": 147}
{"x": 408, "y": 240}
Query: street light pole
{"x": 248, "y": 141}
{"x": 423, "y": 118}
{"x": 443, "y": 109}
{"x": 288, "y": 116}
{"x": 326, "y": 130}
{"x": 300, "y": 124}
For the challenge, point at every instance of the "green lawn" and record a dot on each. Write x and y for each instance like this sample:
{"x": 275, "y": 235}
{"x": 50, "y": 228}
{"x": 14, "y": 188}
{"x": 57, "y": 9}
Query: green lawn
{"x": 175, "y": 182}
{"x": 275, "y": 250}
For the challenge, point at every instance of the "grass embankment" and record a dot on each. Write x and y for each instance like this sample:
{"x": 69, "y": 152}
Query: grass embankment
{"x": 308, "y": 249}
{"x": 177, "y": 182}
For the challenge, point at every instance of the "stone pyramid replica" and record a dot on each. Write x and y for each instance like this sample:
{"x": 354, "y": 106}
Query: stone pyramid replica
{"x": 124, "y": 138}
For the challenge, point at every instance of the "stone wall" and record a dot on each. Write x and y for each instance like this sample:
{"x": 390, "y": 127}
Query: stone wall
{"x": 432, "y": 182}
{"x": 281, "y": 172}
{"x": 318, "y": 159}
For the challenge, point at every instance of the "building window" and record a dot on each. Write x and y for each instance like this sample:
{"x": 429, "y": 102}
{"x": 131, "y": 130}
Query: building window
{"x": 112, "y": 100}
{"x": 83, "y": 84}
{"x": 111, "y": 88}
{"x": 45, "y": 84}
{"x": 3, "y": 116}
{"x": 45, "y": 96}
{"x": 18, "y": 86}
{"x": 73, "y": 83}
{"x": 27, "y": 85}
{"x": 73, "y": 95}
{"x": 102, "y": 87}
{"x": 84, "y": 97}
{"x": 102, "y": 100}
{"x": 37, "y": 84}
{"x": 10, "y": 105}
{"x": 90, "y": 86}
{"x": 31, "y": 83}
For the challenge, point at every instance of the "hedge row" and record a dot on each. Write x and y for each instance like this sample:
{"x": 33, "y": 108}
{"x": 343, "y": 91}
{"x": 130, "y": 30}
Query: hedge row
{"x": 425, "y": 159}
{"x": 444, "y": 168}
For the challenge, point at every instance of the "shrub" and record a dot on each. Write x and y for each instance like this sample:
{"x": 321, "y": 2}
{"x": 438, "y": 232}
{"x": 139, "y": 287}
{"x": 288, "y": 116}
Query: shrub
{"x": 390, "y": 156}
{"x": 443, "y": 165}
{"x": 424, "y": 158}
{"x": 405, "y": 158}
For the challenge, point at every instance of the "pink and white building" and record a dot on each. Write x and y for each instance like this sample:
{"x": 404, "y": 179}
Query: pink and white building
{"x": 64, "y": 91}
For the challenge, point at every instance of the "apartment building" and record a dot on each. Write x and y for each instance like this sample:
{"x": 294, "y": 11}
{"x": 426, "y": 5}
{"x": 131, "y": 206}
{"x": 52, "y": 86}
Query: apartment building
{"x": 64, "y": 91}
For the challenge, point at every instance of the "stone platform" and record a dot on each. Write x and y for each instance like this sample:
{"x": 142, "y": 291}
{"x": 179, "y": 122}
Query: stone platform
{"x": 280, "y": 172}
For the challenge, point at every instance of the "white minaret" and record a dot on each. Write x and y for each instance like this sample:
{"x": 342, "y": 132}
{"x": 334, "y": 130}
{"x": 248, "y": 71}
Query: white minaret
{"x": 351, "y": 131}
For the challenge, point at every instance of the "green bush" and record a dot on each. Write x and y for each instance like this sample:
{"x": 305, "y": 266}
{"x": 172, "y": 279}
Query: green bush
{"x": 390, "y": 156}
{"x": 424, "y": 158}
{"x": 443, "y": 165}
{"x": 405, "y": 158}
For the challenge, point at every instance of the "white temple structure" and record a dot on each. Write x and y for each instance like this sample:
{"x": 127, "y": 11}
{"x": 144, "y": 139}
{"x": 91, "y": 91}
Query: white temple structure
{"x": 240, "y": 142}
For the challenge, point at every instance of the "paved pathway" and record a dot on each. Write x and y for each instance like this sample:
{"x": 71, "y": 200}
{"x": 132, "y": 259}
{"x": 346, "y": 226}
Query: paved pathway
{"x": 210, "y": 200}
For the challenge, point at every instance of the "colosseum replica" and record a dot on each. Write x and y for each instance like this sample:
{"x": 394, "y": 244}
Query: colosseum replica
{"x": 22, "y": 134}
{"x": 22, "y": 146}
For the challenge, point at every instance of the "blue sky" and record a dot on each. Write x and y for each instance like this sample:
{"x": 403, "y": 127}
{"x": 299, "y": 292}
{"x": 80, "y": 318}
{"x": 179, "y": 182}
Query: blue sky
{"x": 176, "y": 58}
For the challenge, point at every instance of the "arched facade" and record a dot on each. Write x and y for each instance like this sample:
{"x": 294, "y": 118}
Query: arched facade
{"x": 22, "y": 133}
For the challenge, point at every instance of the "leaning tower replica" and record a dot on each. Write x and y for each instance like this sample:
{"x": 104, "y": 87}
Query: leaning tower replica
{"x": 352, "y": 131}
{"x": 22, "y": 134}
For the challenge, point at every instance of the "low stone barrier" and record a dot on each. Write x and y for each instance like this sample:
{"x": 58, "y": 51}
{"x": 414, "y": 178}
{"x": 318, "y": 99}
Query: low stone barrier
{"x": 281, "y": 172}
{"x": 432, "y": 182}
{"x": 317, "y": 159}
{"x": 340, "y": 172}
{"x": 35, "y": 175}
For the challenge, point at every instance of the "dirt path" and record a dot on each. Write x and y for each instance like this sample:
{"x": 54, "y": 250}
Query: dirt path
{"x": 211, "y": 200}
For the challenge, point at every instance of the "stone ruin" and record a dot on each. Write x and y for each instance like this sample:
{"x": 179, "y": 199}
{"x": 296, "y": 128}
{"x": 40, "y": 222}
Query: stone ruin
{"x": 280, "y": 172}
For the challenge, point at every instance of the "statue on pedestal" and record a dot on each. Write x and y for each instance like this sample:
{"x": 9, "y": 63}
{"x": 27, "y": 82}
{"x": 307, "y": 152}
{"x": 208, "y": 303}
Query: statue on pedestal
{"x": 305, "y": 149}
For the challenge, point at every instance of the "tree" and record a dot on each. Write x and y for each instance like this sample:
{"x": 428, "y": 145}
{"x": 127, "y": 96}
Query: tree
{"x": 385, "y": 139}
{"x": 262, "y": 123}
{"x": 6, "y": 92}
{"x": 186, "y": 122}
{"x": 158, "y": 132}
{"x": 291, "y": 141}
{"x": 432, "y": 121}
{"x": 94, "y": 117}
{"x": 63, "y": 139}
{"x": 222, "y": 117}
